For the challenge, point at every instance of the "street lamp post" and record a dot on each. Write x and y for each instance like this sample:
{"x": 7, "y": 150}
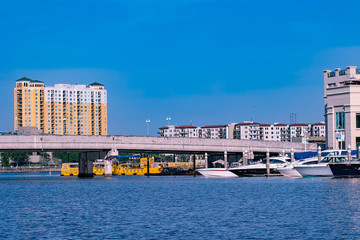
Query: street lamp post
{"x": 168, "y": 118}
{"x": 147, "y": 123}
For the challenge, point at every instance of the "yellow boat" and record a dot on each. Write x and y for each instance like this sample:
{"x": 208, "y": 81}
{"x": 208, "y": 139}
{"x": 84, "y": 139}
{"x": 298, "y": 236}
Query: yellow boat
{"x": 72, "y": 169}
{"x": 182, "y": 164}
{"x": 69, "y": 169}
{"x": 124, "y": 169}
{"x": 132, "y": 169}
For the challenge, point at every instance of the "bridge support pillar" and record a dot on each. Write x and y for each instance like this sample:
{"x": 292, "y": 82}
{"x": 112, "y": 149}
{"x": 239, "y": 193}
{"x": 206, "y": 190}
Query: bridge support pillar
{"x": 86, "y": 163}
{"x": 85, "y": 167}
{"x": 108, "y": 168}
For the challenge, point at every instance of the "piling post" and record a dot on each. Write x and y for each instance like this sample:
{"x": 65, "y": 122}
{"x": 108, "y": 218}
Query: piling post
{"x": 292, "y": 155}
{"x": 267, "y": 161}
{"x": 349, "y": 153}
{"x": 148, "y": 166}
{"x": 206, "y": 161}
{"x": 245, "y": 157}
{"x": 194, "y": 165}
{"x": 358, "y": 152}
{"x": 283, "y": 152}
{"x": 225, "y": 160}
{"x": 319, "y": 154}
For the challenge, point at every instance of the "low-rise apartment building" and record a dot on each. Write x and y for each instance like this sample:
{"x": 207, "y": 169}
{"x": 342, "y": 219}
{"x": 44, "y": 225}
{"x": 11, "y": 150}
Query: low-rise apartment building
{"x": 179, "y": 131}
{"x": 297, "y": 130}
{"x": 247, "y": 130}
{"x": 318, "y": 129}
{"x": 214, "y": 131}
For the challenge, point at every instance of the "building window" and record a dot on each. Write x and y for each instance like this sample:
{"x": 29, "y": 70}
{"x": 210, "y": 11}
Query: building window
{"x": 357, "y": 142}
{"x": 358, "y": 120}
{"x": 340, "y": 120}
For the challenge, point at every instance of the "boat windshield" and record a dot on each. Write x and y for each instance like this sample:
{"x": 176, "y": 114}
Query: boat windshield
{"x": 276, "y": 161}
{"x": 334, "y": 159}
{"x": 333, "y": 153}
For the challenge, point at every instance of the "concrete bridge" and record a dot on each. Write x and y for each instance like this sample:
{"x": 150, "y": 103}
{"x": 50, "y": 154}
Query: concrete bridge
{"x": 94, "y": 147}
{"x": 143, "y": 144}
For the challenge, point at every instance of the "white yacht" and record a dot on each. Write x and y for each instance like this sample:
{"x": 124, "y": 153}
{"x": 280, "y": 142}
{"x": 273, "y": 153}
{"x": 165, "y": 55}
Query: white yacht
{"x": 216, "y": 172}
{"x": 289, "y": 170}
{"x": 221, "y": 172}
{"x": 320, "y": 169}
{"x": 259, "y": 169}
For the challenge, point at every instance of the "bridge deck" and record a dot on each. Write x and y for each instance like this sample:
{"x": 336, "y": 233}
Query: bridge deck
{"x": 143, "y": 144}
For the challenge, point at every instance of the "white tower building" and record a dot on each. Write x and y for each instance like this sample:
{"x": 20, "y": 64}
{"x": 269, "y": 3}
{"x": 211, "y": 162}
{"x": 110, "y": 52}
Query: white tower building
{"x": 342, "y": 107}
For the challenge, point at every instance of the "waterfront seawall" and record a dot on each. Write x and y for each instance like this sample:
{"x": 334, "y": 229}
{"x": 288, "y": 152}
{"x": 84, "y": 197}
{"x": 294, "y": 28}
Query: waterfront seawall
{"x": 29, "y": 169}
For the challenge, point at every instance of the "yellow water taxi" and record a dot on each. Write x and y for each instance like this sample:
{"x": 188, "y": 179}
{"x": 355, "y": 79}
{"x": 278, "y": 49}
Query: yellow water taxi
{"x": 72, "y": 169}
{"x": 123, "y": 169}
{"x": 69, "y": 169}
{"x": 133, "y": 169}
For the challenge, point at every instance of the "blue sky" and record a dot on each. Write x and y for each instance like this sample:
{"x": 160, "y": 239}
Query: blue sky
{"x": 201, "y": 62}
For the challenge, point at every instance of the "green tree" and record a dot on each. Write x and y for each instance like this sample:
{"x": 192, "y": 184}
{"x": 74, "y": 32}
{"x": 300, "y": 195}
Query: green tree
{"x": 5, "y": 159}
{"x": 19, "y": 158}
{"x": 63, "y": 156}
{"x": 183, "y": 158}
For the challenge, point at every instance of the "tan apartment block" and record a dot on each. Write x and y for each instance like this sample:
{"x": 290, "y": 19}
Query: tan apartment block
{"x": 62, "y": 109}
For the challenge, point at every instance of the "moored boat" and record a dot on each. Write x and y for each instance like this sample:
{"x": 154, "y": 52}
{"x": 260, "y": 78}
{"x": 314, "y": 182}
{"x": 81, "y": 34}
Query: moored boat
{"x": 290, "y": 171}
{"x": 346, "y": 169}
{"x": 320, "y": 169}
{"x": 259, "y": 169}
{"x": 216, "y": 172}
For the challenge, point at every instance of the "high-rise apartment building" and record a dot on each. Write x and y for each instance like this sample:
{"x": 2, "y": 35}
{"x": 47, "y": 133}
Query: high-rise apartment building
{"x": 62, "y": 109}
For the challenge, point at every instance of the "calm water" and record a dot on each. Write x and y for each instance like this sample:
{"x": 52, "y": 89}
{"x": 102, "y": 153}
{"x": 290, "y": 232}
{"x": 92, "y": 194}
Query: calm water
{"x": 39, "y": 206}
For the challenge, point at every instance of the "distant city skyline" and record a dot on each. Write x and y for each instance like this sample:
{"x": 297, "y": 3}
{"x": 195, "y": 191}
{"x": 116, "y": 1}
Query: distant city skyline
{"x": 204, "y": 62}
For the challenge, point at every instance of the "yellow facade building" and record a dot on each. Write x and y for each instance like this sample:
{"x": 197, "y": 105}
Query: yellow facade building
{"x": 62, "y": 109}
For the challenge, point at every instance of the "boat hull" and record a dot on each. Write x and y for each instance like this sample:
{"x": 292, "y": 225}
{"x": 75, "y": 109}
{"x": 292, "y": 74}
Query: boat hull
{"x": 252, "y": 172}
{"x": 315, "y": 170}
{"x": 216, "y": 172}
{"x": 345, "y": 169}
{"x": 289, "y": 171}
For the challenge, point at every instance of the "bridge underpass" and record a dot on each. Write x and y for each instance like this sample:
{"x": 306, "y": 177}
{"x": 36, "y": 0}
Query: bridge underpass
{"x": 93, "y": 147}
